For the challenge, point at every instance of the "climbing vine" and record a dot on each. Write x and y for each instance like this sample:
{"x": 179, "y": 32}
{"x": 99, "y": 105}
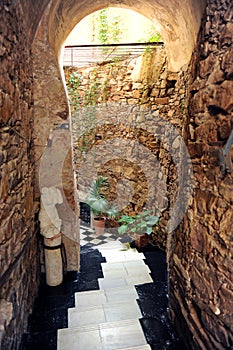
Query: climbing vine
{"x": 108, "y": 27}
{"x": 83, "y": 106}
{"x": 152, "y": 36}
{"x": 73, "y": 84}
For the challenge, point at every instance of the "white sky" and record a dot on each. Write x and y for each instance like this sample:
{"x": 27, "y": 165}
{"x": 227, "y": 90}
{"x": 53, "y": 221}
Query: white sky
{"x": 134, "y": 27}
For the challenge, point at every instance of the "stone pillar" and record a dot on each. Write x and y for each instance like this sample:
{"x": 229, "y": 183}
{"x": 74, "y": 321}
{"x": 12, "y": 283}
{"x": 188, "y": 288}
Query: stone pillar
{"x": 56, "y": 172}
{"x": 50, "y": 225}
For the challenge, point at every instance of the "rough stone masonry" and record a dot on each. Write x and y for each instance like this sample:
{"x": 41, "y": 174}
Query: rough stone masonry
{"x": 32, "y": 99}
{"x": 19, "y": 261}
{"x": 200, "y": 257}
{"x": 119, "y": 122}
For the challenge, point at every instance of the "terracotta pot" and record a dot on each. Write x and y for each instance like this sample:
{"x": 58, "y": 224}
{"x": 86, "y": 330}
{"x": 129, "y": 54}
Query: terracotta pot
{"x": 142, "y": 240}
{"x": 99, "y": 225}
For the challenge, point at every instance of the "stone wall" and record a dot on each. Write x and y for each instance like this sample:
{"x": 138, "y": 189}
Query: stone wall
{"x": 19, "y": 266}
{"x": 52, "y": 139}
{"x": 200, "y": 260}
{"x": 131, "y": 113}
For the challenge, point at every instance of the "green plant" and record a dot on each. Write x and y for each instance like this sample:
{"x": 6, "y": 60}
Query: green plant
{"x": 73, "y": 85}
{"x": 83, "y": 108}
{"x": 151, "y": 36}
{"x": 103, "y": 27}
{"x": 154, "y": 38}
{"x": 183, "y": 107}
{"x": 92, "y": 91}
{"x": 108, "y": 27}
{"x": 137, "y": 224}
{"x": 97, "y": 200}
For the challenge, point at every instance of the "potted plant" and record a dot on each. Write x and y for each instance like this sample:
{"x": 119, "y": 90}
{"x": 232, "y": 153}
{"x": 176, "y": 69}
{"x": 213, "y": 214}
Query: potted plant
{"x": 138, "y": 227}
{"x": 99, "y": 205}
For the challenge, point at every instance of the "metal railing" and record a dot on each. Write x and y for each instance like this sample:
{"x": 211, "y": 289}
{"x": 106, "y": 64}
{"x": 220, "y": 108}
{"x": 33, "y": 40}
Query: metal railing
{"x": 88, "y": 55}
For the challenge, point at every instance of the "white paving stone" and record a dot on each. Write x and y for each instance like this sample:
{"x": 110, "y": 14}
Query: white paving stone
{"x": 90, "y": 298}
{"x": 109, "y": 283}
{"x": 122, "y": 311}
{"x": 115, "y": 282}
{"x": 110, "y": 312}
{"x": 115, "y": 252}
{"x": 85, "y": 316}
{"x": 133, "y": 264}
{"x": 126, "y": 293}
{"x": 74, "y": 339}
{"x": 121, "y": 335}
{"x": 143, "y": 347}
{"x": 139, "y": 279}
{"x": 118, "y": 256}
{"x": 99, "y": 297}
{"x": 124, "y": 269}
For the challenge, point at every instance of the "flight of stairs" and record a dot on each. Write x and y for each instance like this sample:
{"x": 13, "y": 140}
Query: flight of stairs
{"x": 108, "y": 318}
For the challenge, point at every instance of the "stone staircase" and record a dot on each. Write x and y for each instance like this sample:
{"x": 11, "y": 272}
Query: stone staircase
{"x": 108, "y": 289}
{"x": 108, "y": 318}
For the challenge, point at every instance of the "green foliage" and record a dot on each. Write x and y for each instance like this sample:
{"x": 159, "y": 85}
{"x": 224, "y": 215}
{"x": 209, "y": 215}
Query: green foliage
{"x": 115, "y": 29}
{"x": 108, "y": 28}
{"x": 91, "y": 93}
{"x": 140, "y": 223}
{"x": 73, "y": 85}
{"x": 154, "y": 38}
{"x": 103, "y": 27}
{"x": 83, "y": 107}
{"x": 183, "y": 107}
{"x": 105, "y": 88}
{"x": 74, "y": 80}
{"x": 97, "y": 201}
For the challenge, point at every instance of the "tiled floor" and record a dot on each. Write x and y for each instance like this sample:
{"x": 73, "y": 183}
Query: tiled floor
{"x": 89, "y": 237}
{"x": 112, "y": 282}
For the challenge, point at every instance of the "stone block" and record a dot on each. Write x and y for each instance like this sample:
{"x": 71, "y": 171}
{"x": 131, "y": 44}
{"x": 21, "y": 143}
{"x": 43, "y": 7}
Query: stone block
{"x": 226, "y": 35}
{"x": 155, "y": 92}
{"x": 226, "y": 190}
{"x": 162, "y": 100}
{"x": 217, "y": 75}
{"x": 7, "y": 107}
{"x": 172, "y": 76}
{"x": 136, "y": 94}
{"x": 227, "y": 63}
{"x": 206, "y": 66}
{"x": 224, "y": 96}
{"x": 207, "y": 132}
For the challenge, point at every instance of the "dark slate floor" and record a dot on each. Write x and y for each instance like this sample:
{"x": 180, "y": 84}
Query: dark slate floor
{"x": 50, "y": 309}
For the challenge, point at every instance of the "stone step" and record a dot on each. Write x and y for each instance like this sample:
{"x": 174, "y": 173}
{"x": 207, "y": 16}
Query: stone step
{"x": 99, "y": 297}
{"x": 124, "y": 269}
{"x": 116, "y": 252}
{"x": 112, "y": 312}
{"x": 119, "y": 335}
{"x": 109, "y": 283}
{"x": 118, "y": 256}
{"x": 143, "y": 347}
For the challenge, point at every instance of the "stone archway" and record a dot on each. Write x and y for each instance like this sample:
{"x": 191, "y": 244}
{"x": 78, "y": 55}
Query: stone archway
{"x": 196, "y": 249}
{"x": 179, "y": 22}
{"x": 51, "y": 106}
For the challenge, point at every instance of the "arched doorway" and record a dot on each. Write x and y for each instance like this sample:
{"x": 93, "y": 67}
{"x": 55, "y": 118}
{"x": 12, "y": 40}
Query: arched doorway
{"x": 51, "y": 107}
